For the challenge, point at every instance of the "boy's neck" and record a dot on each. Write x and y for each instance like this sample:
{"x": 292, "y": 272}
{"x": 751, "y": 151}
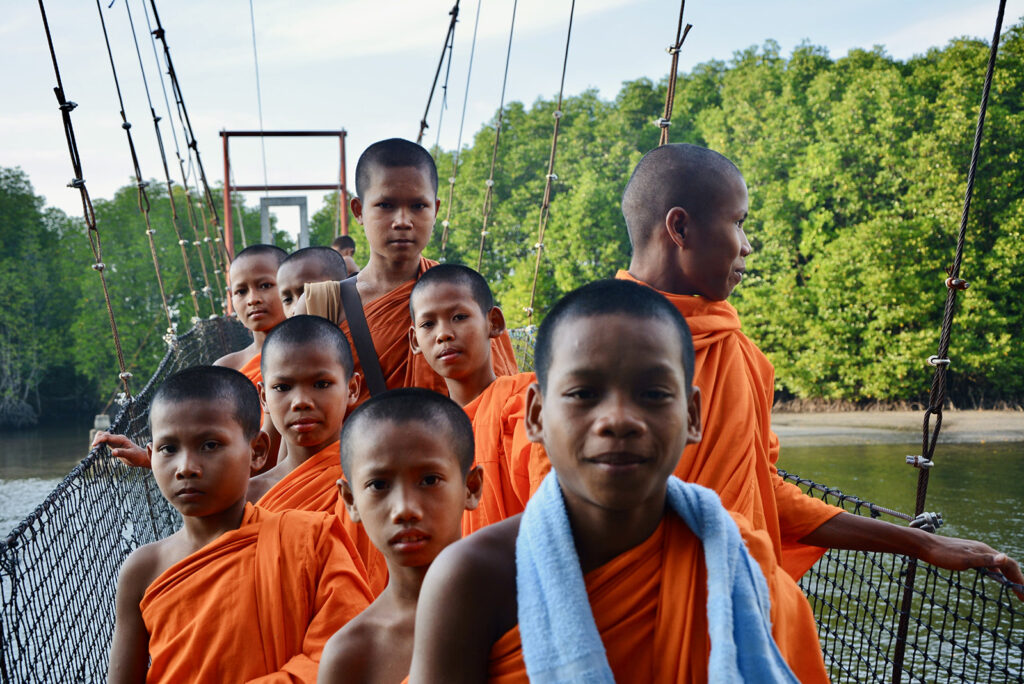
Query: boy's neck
{"x": 601, "y": 534}
{"x": 404, "y": 584}
{"x": 258, "y": 338}
{"x": 464, "y": 390}
{"x": 297, "y": 454}
{"x": 201, "y": 531}
{"x": 383, "y": 273}
{"x": 661, "y": 275}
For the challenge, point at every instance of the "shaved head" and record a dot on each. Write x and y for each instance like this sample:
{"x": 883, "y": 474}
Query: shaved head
{"x": 455, "y": 274}
{"x": 321, "y": 261}
{"x": 272, "y": 251}
{"x": 308, "y": 331}
{"x": 214, "y": 383}
{"x": 677, "y": 175}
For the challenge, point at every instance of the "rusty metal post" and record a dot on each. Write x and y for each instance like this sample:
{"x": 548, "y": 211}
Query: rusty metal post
{"x": 229, "y": 231}
{"x": 343, "y": 200}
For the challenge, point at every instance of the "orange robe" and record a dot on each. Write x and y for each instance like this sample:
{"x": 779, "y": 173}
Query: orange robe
{"x": 513, "y": 466}
{"x": 738, "y": 450}
{"x": 257, "y": 602}
{"x": 313, "y": 486}
{"x": 650, "y": 608}
{"x": 389, "y": 321}
{"x": 251, "y": 369}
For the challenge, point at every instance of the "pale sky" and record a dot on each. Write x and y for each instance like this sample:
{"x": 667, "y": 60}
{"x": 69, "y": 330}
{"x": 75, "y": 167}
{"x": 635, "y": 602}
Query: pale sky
{"x": 367, "y": 67}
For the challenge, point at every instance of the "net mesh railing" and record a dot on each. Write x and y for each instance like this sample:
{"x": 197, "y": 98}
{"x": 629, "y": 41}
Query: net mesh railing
{"x": 58, "y": 568}
{"x": 964, "y": 626}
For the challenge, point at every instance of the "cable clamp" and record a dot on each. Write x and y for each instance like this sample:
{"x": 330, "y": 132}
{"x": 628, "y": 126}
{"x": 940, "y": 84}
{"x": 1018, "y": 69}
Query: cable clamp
{"x": 126, "y": 126}
{"x": 553, "y": 176}
{"x": 673, "y": 49}
{"x": 196, "y": 320}
{"x": 920, "y": 462}
{"x": 150, "y": 232}
{"x": 662, "y": 122}
{"x": 142, "y": 185}
{"x": 170, "y": 337}
{"x": 528, "y": 310}
{"x": 122, "y": 399}
{"x": 484, "y": 233}
{"x": 445, "y": 223}
{"x": 957, "y": 283}
{"x": 451, "y": 180}
{"x": 929, "y": 522}
{"x": 183, "y": 243}
{"x": 206, "y": 239}
{"x": 557, "y": 114}
{"x": 538, "y": 245}
{"x": 77, "y": 183}
{"x": 124, "y": 377}
{"x": 68, "y": 106}
{"x": 934, "y": 360}
{"x": 99, "y": 266}
{"x": 489, "y": 182}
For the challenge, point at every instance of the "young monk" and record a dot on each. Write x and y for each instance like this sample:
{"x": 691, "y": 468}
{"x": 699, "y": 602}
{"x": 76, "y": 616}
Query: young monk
{"x": 307, "y": 387}
{"x": 615, "y": 569}
{"x": 307, "y": 265}
{"x": 237, "y": 593}
{"x": 396, "y": 203}
{"x": 454, "y": 321}
{"x": 409, "y": 476}
{"x": 346, "y": 247}
{"x": 685, "y": 208}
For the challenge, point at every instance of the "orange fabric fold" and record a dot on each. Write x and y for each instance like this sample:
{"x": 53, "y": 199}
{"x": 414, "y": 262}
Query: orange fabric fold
{"x": 251, "y": 369}
{"x": 313, "y": 486}
{"x": 738, "y": 450}
{"x": 389, "y": 321}
{"x": 513, "y": 466}
{"x": 256, "y": 604}
{"x": 650, "y": 608}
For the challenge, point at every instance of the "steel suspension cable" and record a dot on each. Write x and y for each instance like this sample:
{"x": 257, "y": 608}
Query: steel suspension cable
{"x": 444, "y": 93}
{"x": 670, "y": 93}
{"x": 78, "y": 182}
{"x": 259, "y": 100}
{"x": 941, "y": 361}
{"x": 545, "y": 205}
{"x": 489, "y": 192}
{"x": 141, "y": 185}
{"x": 196, "y": 242}
{"x": 447, "y": 40}
{"x": 190, "y": 142}
{"x": 446, "y": 223}
{"x": 163, "y": 160}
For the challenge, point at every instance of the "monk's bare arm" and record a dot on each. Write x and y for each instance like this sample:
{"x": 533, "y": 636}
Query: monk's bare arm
{"x": 849, "y": 531}
{"x": 129, "y": 651}
{"x": 468, "y": 601}
{"x": 346, "y": 655}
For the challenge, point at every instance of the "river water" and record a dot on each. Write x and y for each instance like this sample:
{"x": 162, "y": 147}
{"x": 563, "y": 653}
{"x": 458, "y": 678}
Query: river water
{"x": 979, "y": 488}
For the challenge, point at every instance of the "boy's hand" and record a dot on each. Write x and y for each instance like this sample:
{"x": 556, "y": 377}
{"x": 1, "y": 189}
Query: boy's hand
{"x": 961, "y": 554}
{"x": 123, "y": 449}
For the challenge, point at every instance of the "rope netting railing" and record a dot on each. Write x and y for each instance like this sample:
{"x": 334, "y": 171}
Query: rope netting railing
{"x": 963, "y": 626}
{"x": 58, "y": 567}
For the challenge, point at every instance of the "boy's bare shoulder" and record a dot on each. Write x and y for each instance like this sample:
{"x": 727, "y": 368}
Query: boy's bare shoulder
{"x": 235, "y": 359}
{"x": 359, "y": 648}
{"x": 263, "y": 483}
{"x": 148, "y": 562}
{"x": 483, "y": 566}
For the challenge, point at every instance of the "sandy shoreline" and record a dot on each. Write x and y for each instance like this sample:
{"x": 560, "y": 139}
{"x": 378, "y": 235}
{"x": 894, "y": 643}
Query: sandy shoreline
{"x": 895, "y": 427}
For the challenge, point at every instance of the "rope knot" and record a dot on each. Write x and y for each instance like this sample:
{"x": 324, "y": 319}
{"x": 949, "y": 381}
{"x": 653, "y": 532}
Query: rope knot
{"x": 957, "y": 283}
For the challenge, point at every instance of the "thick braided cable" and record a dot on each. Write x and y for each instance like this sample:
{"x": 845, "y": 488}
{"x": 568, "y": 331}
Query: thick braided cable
{"x": 163, "y": 160}
{"x": 440, "y": 62}
{"x": 78, "y": 182}
{"x": 489, "y": 193}
{"x": 937, "y": 396}
{"x": 670, "y": 94}
{"x": 546, "y": 202}
{"x": 196, "y": 243}
{"x": 446, "y": 223}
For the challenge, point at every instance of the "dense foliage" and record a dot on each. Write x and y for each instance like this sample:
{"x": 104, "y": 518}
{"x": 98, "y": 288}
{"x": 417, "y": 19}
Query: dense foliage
{"x": 856, "y": 168}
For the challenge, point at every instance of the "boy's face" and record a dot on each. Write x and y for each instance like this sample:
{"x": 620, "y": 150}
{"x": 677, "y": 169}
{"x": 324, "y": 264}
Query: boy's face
{"x": 716, "y": 246}
{"x": 397, "y": 211}
{"x": 254, "y": 292}
{"x": 408, "y": 491}
{"x": 307, "y": 392}
{"x": 201, "y": 458}
{"x": 451, "y": 331}
{"x": 616, "y": 413}
{"x": 292, "y": 277}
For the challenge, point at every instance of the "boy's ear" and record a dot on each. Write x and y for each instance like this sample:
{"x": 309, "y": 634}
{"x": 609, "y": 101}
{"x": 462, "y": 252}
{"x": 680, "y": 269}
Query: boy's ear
{"x": 345, "y": 491}
{"x": 355, "y": 385}
{"x": 693, "y": 427}
{"x": 260, "y": 451}
{"x": 677, "y": 220}
{"x": 357, "y": 209}
{"x": 413, "y": 344}
{"x": 474, "y": 487}
{"x": 497, "y": 320}
{"x": 533, "y": 422}
{"x": 437, "y": 206}
{"x": 262, "y": 389}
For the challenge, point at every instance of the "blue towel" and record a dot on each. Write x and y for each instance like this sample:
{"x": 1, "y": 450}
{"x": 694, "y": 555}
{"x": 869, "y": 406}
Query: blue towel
{"x": 556, "y": 626}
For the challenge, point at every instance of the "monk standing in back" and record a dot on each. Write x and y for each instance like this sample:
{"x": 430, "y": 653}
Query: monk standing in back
{"x": 396, "y": 202}
{"x": 685, "y": 208}
{"x": 454, "y": 321}
{"x": 237, "y": 593}
{"x": 409, "y": 477}
{"x": 616, "y": 571}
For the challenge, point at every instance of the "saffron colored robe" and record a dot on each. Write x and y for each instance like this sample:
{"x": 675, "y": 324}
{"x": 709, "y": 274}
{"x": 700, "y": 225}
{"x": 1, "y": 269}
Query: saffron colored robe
{"x": 313, "y": 486}
{"x": 256, "y": 604}
{"x": 513, "y": 466}
{"x": 738, "y": 450}
{"x": 389, "y": 321}
{"x": 251, "y": 369}
{"x": 650, "y": 608}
